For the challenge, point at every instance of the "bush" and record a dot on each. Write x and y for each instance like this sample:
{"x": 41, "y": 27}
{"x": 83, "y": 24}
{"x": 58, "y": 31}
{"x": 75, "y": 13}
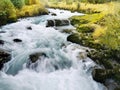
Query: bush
{"x": 30, "y": 2}
{"x": 7, "y": 12}
{"x": 18, "y": 3}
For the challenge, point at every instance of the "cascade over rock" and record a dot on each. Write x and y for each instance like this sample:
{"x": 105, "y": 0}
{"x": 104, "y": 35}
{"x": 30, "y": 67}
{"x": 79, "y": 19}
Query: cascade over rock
{"x": 4, "y": 57}
{"x": 36, "y": 56}
{"x": 57, "y": 22}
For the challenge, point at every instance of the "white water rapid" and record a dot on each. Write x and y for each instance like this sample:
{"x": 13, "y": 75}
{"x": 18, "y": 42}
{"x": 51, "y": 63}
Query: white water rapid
{"x": 61, "y": 69}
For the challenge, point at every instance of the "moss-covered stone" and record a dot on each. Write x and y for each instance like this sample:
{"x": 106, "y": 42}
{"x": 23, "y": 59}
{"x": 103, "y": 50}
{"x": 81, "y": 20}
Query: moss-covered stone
{"x": 74, "y": 38}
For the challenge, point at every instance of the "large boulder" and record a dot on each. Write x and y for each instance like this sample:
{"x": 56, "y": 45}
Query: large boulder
{"x": 4, "y": 57}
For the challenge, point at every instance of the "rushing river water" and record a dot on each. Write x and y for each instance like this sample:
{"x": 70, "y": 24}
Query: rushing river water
{"x": 62, "y": 69}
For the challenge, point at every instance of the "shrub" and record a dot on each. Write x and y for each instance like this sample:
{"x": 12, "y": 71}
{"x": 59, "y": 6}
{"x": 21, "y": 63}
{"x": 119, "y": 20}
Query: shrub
{"x": 7, "y": 12}
{"x": 18, "y": 3}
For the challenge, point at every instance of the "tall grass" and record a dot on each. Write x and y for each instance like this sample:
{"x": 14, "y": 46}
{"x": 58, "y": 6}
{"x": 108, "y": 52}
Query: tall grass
{"x": 111, "y": 38}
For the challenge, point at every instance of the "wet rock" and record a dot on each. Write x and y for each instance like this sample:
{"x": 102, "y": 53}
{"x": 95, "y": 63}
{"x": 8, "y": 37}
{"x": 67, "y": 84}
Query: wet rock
{"x": 17, "y": 40}
{"x": 29, "y": 28}
{"x": 50, "y": 23}
{"x": 82, "y": 55}
{"x": 61, "y": 12}
{"x": 100, "y": 75}
{"x": 61, "y": 22}
{"x": 2, "y": 32}
{"x": 1, "y": 42}
{"x": 4, "y": 57}
{"x": 53, "y": 14}
{"x": 36, "y": 56}
{"x": 57, "y": 22}
{"x": 74, "y": 38}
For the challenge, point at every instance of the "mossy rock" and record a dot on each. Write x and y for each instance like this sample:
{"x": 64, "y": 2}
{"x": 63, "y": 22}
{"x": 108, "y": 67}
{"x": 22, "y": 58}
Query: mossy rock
{"x": 99, "y": 75}
{"x": 74, "y": 38}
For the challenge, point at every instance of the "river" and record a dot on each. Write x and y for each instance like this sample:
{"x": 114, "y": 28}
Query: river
{"x": 64, "y": 66}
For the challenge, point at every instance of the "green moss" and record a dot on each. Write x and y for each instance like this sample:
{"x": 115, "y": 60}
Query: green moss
{"x": 89, "y": 18}
{"x": 86, "y": 29}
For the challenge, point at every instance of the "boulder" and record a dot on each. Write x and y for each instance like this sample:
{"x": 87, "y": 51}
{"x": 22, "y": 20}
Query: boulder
{"x": 74, "y": 38}
{"x": 57, "y": 22}
{"x": 17, "y": 40}
{"x": 100, "y": 75}
{"x": 61, "y": 22}
{"x": 36, "y": 56}
{"x": 4, "y": 57}
{"x": 50, "y": 23}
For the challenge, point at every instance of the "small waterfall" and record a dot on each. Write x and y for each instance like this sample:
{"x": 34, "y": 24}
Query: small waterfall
{"x": 44, "y": 59}
{"x": 58, "y": 22}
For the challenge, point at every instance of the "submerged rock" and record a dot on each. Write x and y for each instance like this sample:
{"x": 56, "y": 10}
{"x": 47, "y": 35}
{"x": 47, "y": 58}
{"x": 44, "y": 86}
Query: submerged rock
{"x": 29, "y": 28}
{"x": 4, "y": 57}
{"x": 1, "y": 42}
{"x": 53, "y": 14}
{"x": 17, "y": 40}
{"x": 2, "y": 31}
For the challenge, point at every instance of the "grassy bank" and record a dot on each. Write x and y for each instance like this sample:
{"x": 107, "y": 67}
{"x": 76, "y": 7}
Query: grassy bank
{"x": 99, "y": 29}
{"x": 11, "y": 10}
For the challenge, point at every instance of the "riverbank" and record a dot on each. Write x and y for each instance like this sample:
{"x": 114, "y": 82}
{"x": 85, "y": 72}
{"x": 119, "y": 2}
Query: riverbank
{"x": 99, "y": 30}
{"x": 11, "y": 13}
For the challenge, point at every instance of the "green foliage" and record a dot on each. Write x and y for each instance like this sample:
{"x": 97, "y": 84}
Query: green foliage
{"x": 112, "y": 36}
{"x": 18, "y": 3}
{"x": 30, "y": 2}
{"x": 86, "y": 1}
{"x": 7, "y": 12}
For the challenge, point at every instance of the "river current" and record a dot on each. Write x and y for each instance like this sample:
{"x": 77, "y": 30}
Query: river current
{"x": 65, "y": 66}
